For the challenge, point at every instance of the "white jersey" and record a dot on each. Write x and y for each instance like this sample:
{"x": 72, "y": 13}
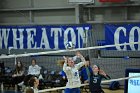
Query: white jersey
{"x": 34, "y": 70}
{"x": 72, "y": 74}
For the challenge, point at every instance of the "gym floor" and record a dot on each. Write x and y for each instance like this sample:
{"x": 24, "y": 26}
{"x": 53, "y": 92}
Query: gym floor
{"x": 113, "y": 91}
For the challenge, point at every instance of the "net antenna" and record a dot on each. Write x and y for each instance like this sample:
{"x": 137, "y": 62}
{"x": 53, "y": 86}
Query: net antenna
{"x": 81, "y": 1}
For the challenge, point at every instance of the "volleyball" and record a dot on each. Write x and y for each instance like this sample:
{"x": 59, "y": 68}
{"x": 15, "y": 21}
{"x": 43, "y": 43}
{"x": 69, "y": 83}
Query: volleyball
{"x": 69, "y": 45}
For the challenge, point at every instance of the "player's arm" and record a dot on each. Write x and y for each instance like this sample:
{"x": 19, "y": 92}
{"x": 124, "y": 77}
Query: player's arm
{"x": 83, "y": 61}
{"x": 65, "y": 67}
{"x": 104, "y": 74}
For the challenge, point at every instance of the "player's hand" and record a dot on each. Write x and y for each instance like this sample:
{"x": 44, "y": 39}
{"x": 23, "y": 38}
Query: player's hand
{"x": 78, "y": 54}
{"x": 65, "y": 58}
{"x": 102, "y": 72}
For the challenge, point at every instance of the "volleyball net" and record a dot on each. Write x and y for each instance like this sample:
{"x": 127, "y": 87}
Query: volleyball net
{"x": 113, "y": 62}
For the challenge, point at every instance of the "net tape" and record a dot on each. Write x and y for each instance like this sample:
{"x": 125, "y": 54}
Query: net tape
{"x": 61, "y": 51}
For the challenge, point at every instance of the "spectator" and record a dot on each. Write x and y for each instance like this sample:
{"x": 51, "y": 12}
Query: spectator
{"x": 34, "y": 69}
{"x": 18, "y": 73}
{"x": 29, "y": 90}
{"x": 33, "y": 84}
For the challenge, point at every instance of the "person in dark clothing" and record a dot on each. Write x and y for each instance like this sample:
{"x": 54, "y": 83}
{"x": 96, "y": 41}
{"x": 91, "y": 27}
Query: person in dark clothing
{"x": 85, "y": 71}
{"x": 18, "y": 74}
{"x": 95, "y": 79}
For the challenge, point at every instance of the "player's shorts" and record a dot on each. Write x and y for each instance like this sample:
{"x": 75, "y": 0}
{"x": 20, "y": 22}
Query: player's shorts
{"x": 72, "y": 90}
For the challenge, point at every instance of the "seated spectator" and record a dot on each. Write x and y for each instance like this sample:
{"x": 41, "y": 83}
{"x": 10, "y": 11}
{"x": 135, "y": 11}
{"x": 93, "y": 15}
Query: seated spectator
{"x": 18, "y": 73}
{"x": 34, "y": 69}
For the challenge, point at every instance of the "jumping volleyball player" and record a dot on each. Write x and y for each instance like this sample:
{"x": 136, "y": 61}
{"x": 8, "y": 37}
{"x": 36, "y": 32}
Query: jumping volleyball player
{"x": 72, "y": 73}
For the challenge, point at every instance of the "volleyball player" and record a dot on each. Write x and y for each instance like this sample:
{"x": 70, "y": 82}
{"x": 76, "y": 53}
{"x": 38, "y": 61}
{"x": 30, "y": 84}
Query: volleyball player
{"x": 72, "y": 73}
{"x": 96, "y": 78}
